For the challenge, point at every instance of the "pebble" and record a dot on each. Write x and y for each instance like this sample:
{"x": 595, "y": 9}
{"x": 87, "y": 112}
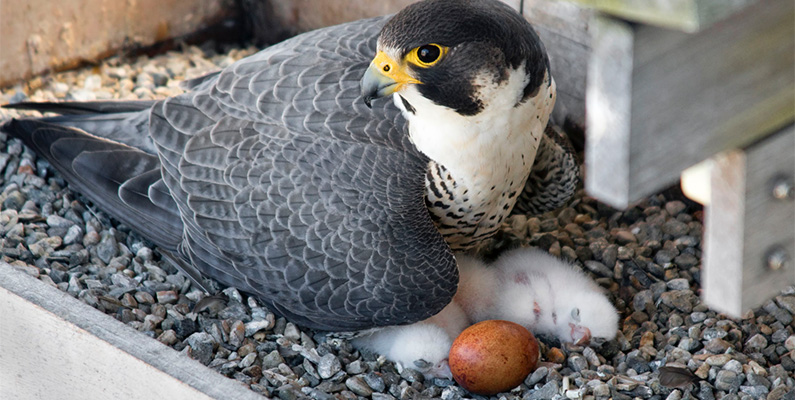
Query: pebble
{"x": 717, "y": 346}
{"x": 601, "y": 390}
{"x": 144, "y": 297}
{"x": 257, "y": 325}
{"x": 237, "y": 332}
{"x": 678, "y": 284}
{"x": 201, "y": 345}
{"x": 625, "y": 237}
{"x": 555, "y": 355}
{"x": 167, "y": 296}
{"x": 546, "y": 392}
{"x": 374, "y": 381}
{"x": 675, "y": 207}
{"x": 725, "y": 380}
{"x": 598, "y": 268}
{"x": 272, "y": 360}
{"x": 679, "y": 299}
{"x": 590, "y": 355}
{"x": 536, "y": 376}
{"x": 578, "y": 363}
{"x": 168, "y": 337}
{"x": 719, "y": 360}
{"x": 328, "y": 366}
{"x": 789, "y": 343}
{"x": 357, "y": 385}
{"x": 734, "y": 366}
{"x": 702, "y": 371}
{"x": 756, "y": 342}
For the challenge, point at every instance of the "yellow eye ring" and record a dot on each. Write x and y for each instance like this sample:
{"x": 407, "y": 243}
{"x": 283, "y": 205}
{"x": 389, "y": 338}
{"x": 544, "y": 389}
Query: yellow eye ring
{"x": 426, "y": 55}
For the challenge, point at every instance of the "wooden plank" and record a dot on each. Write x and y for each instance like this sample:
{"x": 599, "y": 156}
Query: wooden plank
{"x": 608, "y": 100}
{"x": 692, "y": 96}
{"x": 563, "y": 27}
{"x": 685, "y": 15}
{"x": 41, "y": 35}
{"x": 749, "y": 252}
{"x": 52, "y": 343}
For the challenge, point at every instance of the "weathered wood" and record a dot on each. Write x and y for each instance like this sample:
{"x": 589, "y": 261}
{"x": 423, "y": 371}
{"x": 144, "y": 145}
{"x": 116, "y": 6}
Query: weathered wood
{"x": 51, "y": 343}
{"x": 608, "y": 99}
{"x": 748, "y": 228}
{"x": 686, "y": 15}
{"x": 40, "y": 35}
{"x": 563, "y": 27}
{"x": 691, "y": 96}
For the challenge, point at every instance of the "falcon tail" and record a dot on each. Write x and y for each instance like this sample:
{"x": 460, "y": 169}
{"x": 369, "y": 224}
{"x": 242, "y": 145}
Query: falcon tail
{"x": 121, "y": 121}
{"x": 121, "y": 179}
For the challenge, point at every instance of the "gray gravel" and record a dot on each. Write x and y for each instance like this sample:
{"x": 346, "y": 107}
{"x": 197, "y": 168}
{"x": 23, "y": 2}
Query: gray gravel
{"x": 647, "y": 257}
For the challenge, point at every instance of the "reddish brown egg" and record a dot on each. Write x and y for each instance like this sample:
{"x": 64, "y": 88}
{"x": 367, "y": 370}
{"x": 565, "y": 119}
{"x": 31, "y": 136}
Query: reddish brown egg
{"x": 493, "y": 356}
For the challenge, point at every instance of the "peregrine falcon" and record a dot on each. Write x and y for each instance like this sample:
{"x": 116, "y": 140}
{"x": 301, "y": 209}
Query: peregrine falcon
{"x": 290, "y": 175}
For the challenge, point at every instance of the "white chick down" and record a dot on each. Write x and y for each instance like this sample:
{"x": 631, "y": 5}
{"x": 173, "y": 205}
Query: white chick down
{"x": 423, "y": 346}
{"x": 538, "y": 291}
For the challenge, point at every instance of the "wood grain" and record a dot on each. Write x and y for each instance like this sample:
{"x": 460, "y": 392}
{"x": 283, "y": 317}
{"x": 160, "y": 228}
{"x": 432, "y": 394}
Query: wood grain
{"x": 693, "y": 96}
{"x": 685, "y": 15}
{"x": 744, "y": 222}
{"x": 41, "y": 35}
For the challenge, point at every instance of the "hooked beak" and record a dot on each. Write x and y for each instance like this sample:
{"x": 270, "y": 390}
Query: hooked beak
{"x": 580, "y": 335}
{"x": 383, "y": 77}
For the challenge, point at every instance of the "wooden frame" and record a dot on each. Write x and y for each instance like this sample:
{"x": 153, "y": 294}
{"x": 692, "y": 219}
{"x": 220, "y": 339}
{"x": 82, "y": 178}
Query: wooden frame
{"x": 660, "y": 101}
{"x": 685, "y": 15}
{"x": 85, "y": 354}
{"x": 749, "y": 252}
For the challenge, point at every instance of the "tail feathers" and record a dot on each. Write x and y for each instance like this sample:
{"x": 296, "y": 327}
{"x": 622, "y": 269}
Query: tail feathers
{"x": 87, "y": 107}
{"x": 125, "y": 122}
{"x": 116, "y": 177}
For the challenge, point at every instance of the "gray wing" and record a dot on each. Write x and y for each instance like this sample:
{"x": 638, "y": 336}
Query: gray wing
{"x": 122, "y": 180}
{"x": 554, "y": 178}
{"x": 274, "y": 177}
{"x": 290, "y": 188}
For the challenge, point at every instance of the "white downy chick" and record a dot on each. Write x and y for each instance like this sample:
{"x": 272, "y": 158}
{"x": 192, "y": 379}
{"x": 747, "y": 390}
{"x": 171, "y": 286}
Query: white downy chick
{"x": 540, "y": 292}
{"x": 423, "y": 346}
{"x": 478, "y": 288}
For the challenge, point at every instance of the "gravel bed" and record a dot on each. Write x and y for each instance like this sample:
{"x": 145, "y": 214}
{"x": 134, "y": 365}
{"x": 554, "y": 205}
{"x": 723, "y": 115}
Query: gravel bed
{"x": 648, "y": 258}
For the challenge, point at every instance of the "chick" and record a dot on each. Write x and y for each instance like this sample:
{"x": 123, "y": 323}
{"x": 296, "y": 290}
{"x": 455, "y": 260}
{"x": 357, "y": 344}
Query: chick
{"x": 540, "y": 292}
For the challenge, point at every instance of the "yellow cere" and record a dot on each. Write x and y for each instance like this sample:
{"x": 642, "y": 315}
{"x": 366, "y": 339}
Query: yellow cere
{"x": 389, "y": 68}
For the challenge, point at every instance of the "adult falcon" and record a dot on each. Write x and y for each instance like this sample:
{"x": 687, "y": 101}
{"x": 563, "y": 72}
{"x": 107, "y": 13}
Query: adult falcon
{"x": 287, "y": 176}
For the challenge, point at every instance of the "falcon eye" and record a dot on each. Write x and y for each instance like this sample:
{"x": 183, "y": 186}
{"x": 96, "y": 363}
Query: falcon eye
{"x": 427, "y": 55}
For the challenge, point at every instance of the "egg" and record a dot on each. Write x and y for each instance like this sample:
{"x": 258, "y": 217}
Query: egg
{"x": 493, "y": 356}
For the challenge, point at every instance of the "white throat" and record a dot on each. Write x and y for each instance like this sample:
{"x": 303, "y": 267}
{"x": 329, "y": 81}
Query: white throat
{"x": 491, "y": 151}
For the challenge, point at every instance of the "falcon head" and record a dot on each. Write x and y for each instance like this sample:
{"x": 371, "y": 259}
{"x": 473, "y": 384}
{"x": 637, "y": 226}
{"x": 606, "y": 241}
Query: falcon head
{"x": 463, "y": 55}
